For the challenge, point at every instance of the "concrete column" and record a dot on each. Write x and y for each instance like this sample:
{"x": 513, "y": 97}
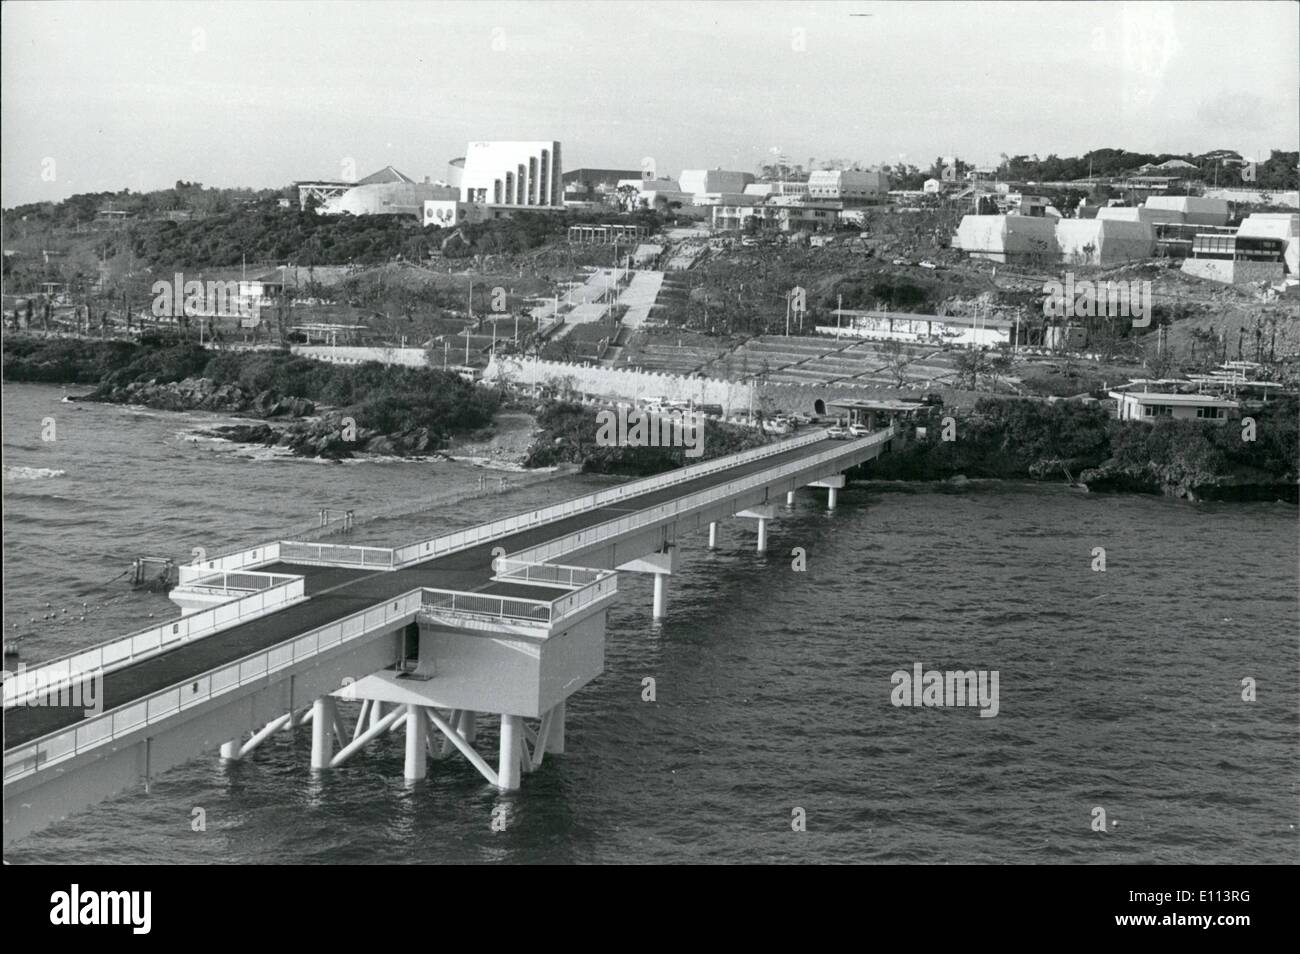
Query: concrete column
{"x": 323, "y": 711}
{"x": 466, "y": 727}
{"x": 230, "y": 750}
{"x": 508, "y": 763}
{"x": 555, "y": 738}
{"x": 789, "y": 499}
{"x": 830, "y": 500}
{"x": 762, "y": 535}
{"x": 416, "y": 766}
{"x": 713, "y": 535}
{"x": 376, "y": 712}
{"x": 661, "y": 595}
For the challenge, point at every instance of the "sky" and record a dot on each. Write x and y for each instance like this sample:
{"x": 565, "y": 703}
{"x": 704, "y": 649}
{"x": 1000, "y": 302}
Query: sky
{"x": 105, "y": 95}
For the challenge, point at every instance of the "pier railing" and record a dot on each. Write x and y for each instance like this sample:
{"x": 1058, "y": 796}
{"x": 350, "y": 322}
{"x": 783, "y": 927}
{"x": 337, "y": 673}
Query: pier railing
{"x": 253, "y": 556}
{"x": 613, "y": 528}
{"x": 197, "y": 690}
{"x": 336, "y": 554}
{"x": 597, "y": 585}
{"x": 124, "y": 650}
{"x": 544, "y": 574}
{"x": 506, "y": 608}
{"x": 464, "y": 539}
{"x": 235, "y": 581}
{"x": 395, "y": 558}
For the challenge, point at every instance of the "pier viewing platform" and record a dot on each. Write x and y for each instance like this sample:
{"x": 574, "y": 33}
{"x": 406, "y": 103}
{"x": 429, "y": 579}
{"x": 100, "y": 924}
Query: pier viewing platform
{"x": 505, "y": 618}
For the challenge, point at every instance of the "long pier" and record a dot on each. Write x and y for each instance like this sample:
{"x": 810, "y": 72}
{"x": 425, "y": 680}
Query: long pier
{"x": 507, "y": 618}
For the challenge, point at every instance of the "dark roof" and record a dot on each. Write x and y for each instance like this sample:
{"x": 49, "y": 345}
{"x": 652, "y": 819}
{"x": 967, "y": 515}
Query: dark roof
{"x": 386, "y": 174}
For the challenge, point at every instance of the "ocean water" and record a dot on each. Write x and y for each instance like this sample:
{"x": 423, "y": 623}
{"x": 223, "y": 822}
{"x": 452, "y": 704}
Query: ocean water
{"x": 1118, "y": 690}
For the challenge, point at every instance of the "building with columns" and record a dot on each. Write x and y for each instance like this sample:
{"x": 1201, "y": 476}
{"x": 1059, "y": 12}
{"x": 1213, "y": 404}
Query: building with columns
{"x": 513, "y": 173}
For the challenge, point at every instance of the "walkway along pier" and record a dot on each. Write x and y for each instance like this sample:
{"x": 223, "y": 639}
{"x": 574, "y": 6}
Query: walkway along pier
{"x": 505, "y": 619}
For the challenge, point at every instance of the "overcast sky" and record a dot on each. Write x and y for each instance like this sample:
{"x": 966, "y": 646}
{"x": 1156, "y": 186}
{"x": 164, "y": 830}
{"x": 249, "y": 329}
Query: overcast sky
{"x": 111, "y": 95}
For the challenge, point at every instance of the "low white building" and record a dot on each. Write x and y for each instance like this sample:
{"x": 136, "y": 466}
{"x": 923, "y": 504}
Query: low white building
{"x": 1151, "y": 405}
{"x": 705, "y": 181}
{"x": 1279, "y": 225}
{"x": 1047, "y": 239}
{"x": 1196, "y": 210}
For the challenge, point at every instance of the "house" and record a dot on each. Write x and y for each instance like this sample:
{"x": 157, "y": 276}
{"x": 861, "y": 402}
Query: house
{"x": 1150, "y": 405}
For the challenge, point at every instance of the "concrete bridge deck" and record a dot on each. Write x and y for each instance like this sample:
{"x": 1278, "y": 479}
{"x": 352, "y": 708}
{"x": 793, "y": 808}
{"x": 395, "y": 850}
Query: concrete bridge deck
{"x": 336, "y": 592}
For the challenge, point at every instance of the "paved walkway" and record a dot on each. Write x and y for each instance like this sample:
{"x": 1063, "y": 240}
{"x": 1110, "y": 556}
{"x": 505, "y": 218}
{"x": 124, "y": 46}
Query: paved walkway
{"x": 639, "y": 296}
{"x": 335, "y": 592}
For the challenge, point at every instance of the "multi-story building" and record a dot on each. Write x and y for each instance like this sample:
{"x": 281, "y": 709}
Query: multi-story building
{"x": 849, "y": 186}
{"x": 513, "y": 173}
{"x": 706, "y": 181}
{"x": 785, "y": 218}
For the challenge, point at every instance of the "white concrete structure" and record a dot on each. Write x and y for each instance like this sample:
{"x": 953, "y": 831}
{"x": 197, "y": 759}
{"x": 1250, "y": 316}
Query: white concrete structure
{"x": 445, "y": 213}
{"x": 1046, "y": 239}
{"x": 1196, "y": 210}
{"x": 1281, "y": 225}
{"x": 386, "y": 198}
{"x": 701, "y": 181}
{"x": 851, "y": 186}
{"x": 1150, "y": 405}
{"x": 1003, "y": 238}
{"x": 1140, "y": 213}
{"x": 1104, "y": 241}
{"x": 513, "y": 173}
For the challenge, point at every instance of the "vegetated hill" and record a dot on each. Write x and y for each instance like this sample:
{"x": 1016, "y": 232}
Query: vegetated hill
{"x": 1016, "y": 439}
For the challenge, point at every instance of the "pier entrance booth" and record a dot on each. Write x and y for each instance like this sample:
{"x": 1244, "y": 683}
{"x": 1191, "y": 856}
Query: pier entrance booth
{"x": 878, "y": 414}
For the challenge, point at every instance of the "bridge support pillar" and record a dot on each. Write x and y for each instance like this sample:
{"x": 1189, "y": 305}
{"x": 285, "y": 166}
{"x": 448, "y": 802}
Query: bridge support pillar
{"x": 789, "y": 498}
{"x": 762, "y": 513}
{"x": 376, "y": 712}
{"x": 508, "y": 764}
{"x": 661, "y": 595}
{"x": 555, "y": 737}
{"x": 662, "y": 564}
{"x": 713, "y": 535}
{"x": 466, "y": 727}
{"x": 833, "y": 485}
{"x": 230, "y": 750}
{"x": 416, "y": 765}
{"x": 323, "y": 713}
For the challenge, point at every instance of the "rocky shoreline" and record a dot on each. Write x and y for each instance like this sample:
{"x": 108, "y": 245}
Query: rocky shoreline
{"x": 304, "y": 428}
{"x": 1111, "y": 477}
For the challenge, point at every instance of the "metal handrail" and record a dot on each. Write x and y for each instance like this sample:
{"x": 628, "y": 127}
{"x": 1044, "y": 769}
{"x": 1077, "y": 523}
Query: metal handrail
{"x": 464, "y": 539}
{"x": 611, "y": 528}
{"x": 65, "y": 743}
{"x": 122, "y": 650}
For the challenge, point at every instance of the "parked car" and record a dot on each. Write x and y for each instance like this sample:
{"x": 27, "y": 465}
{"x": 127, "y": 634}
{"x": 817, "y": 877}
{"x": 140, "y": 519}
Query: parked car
{"x": 928, "y": 264}
{"x": 837, "y": 432}
{"x": 859, "y": 430}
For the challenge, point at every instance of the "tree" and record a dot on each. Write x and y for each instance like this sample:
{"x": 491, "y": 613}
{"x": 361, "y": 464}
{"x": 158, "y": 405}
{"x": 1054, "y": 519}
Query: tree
{"x": 897, "y": 359}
